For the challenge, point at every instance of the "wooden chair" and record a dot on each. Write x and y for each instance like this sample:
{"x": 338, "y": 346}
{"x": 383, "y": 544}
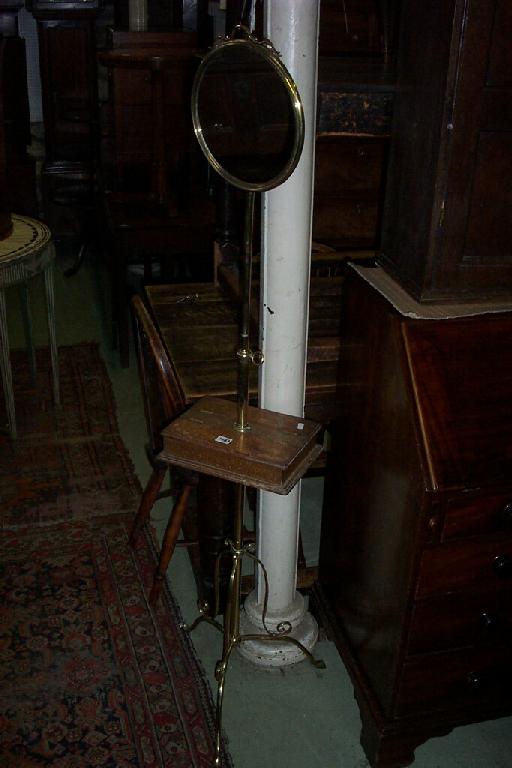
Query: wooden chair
{"x": 164, "y": 400}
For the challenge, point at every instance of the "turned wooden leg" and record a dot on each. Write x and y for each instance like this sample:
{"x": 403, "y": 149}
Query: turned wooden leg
{"x": 169, "y": 543}
{"x": 147, "y": 501}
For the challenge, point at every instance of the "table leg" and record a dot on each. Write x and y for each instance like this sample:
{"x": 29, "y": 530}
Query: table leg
{"x": 50, "y": 309}
{"x": 27, "y": 324}
{"x": 6, "y": 368}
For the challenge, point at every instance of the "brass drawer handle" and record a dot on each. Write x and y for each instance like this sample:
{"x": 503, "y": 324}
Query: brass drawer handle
{"x": 503, "y": 566}
{"x": 488, "y": 622}
{"x": 475, "y": 681}
{"x": 506, "y": 514}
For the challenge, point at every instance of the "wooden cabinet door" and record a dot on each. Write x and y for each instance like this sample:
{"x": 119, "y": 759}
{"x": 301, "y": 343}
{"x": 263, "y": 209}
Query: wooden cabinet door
{"x": 68, "y": 73}
{"x": 475, "y": 240}
{"x": 447, "y": 226}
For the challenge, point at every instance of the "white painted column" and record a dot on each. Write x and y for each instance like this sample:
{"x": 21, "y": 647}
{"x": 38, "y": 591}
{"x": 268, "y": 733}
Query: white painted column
{"x": 292, "y": 26}
{"x": 138, "y": 15}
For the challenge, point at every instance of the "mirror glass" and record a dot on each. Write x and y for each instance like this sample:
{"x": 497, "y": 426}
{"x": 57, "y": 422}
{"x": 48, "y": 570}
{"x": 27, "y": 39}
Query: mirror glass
{"x": 247, "y": 114}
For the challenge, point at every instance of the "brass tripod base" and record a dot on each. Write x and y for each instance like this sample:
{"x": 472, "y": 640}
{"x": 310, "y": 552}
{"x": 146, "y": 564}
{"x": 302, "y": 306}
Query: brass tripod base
{"x": 221, "y": 666}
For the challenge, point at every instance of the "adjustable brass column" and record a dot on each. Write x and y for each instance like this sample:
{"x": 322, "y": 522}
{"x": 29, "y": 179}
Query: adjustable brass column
{"x": 244, "y": 354}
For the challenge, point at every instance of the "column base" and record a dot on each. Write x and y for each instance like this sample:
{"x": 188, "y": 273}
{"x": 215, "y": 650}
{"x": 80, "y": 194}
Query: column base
{"x": 277, "y": 653}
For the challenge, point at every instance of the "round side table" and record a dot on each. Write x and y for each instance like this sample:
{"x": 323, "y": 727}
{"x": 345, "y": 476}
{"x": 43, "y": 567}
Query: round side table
{"x": 26, "y": 252}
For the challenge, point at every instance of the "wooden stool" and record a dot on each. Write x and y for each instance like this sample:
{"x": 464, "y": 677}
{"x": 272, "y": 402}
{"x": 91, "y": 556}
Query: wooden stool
{"x": 24, "y": 254}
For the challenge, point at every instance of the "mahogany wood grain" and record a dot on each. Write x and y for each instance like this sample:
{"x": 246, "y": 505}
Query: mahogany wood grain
{"x": 478, "y": 514}
{"x": 468, "y": 418}
{"x": 416, "y": 546}
{"x": 466, "y": 565}
{"x": 460, "y": 620}
{"x": 464, "y": 678}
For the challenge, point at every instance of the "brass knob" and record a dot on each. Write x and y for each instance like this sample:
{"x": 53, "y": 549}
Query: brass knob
{"x": 503, "y": 566}
{"x": 506, "y": 514}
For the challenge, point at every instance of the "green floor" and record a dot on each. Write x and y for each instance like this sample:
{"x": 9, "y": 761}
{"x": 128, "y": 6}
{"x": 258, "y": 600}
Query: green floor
{"x": 299, "y": 716}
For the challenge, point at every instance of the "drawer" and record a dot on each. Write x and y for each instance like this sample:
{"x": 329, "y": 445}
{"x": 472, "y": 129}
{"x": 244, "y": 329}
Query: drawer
{"x": 459, "y": 620}
{"x": 484, "y": 514}
{"x": 470, "y": 677}
{"x": 479, "y": 564}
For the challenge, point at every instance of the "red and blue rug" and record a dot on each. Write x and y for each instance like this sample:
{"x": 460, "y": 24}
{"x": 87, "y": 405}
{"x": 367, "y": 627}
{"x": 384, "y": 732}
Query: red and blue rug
{"x": 89, "y": 674}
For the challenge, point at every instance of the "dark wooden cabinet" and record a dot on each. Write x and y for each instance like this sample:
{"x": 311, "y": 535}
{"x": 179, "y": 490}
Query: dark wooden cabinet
{"x": 67, "y": 56}
{"x": 416, "y": 550}
{"x": 150, "y": 81}
{"x": 447, "y": 227}
{"x": 17, "y": 168}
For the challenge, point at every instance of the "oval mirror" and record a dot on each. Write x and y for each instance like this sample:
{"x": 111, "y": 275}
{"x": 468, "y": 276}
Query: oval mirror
{"x": 247, "y": 114}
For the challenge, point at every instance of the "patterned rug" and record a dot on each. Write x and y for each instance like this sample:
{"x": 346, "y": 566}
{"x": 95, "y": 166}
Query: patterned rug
{"x": 67, "y": 462}
{"x": 89, "y": 674}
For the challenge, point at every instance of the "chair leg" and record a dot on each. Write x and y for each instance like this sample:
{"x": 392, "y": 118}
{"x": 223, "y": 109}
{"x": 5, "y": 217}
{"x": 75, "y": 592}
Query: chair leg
{"x": 147, "y": 501}
{"x": 169, "y": 543}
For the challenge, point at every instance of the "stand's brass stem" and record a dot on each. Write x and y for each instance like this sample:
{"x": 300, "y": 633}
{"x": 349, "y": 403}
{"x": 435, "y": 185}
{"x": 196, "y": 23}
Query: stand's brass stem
{"x": 244, "y": 352}
{"x": 234, "y": 592}
{"x": 231, "y": 627}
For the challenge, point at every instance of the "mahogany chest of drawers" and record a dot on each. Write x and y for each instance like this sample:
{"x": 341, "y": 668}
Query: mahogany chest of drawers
{"x": 416, "y": 552}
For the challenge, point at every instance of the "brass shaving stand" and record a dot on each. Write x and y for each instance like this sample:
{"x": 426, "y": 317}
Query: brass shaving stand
{"x": 272, "y": 452}
{"x": 231, "y": 627}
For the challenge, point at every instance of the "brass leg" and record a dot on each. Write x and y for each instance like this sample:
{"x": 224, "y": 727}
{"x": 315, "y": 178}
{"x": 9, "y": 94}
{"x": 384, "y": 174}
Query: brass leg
{"x": 205, "y": 612}
{"x": 220, "y": 675}
{"x": 231, "y": 614}
{"x": 231, "y": 628}
{"x": 232, "y": 611}
{"x": 204, "y": 615}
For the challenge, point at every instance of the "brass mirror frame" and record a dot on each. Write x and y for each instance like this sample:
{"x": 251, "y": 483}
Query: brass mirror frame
{"x": 266, "y": 50}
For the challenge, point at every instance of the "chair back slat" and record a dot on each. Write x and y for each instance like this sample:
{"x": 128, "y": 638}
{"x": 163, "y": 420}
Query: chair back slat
{"x": 163, "y": 394}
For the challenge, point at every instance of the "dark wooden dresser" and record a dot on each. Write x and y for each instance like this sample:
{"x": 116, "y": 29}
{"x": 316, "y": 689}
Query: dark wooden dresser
{"x": 416, "y": 550}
